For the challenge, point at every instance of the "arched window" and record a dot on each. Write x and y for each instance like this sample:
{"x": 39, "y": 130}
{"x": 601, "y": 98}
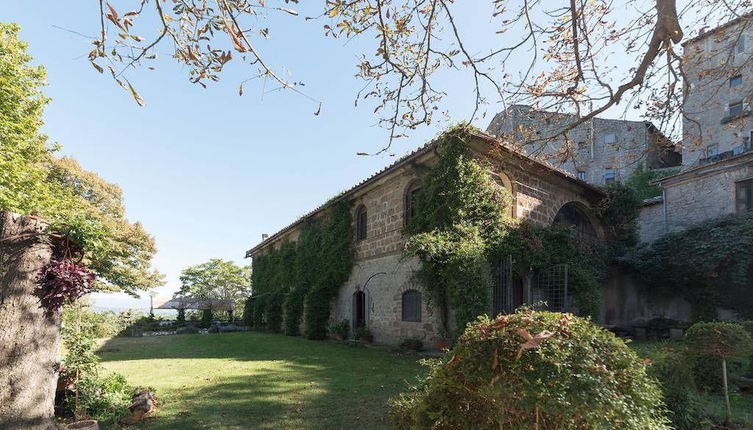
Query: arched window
{"x": 361, "y": 223}
{"x": 412, "y": 306}
{"x": 411, "y": 200}
{"x": 571, "y": 215}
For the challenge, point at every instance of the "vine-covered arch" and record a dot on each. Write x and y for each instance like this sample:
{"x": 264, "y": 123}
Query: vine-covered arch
{"x": 577, "y": 215}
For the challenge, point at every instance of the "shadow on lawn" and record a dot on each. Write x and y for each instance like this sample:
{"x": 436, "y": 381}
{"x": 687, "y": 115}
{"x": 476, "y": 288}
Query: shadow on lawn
{"x": 295, "y": 384}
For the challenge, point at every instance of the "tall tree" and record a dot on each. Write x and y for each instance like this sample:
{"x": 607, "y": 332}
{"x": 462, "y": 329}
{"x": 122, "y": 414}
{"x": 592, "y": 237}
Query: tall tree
{"x": 217, "y": 279}
{"x": 77, "y": 203}
{"x": 577, "y": 56}
{"x": 84, "y": 213}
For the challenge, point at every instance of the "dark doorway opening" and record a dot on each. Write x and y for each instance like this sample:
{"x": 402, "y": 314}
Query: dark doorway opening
{"x": 359, "y": 309}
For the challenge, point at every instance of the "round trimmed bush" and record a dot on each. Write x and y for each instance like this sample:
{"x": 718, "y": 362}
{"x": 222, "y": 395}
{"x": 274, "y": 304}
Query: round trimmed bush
{"x": 540, "y": 370}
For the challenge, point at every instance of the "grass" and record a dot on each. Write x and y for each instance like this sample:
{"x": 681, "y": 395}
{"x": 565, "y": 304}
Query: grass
{"x": 261, "y": 381}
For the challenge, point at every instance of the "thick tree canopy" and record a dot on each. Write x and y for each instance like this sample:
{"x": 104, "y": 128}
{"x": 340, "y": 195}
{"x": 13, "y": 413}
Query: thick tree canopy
{"x": 216, "y": 279}
{"x": 78, "y": 204}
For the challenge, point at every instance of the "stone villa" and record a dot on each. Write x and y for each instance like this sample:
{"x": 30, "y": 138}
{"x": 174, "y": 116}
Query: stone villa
{"x": 381, "y": 294}
{"x": 598, "y": 151}
{"x": 554, "y": 182}
{"x": 717, "y": 172}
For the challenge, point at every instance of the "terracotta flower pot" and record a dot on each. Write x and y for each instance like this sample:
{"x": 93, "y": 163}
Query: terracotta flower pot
{"x": 442, "y": 344}
{"x": 83, "y": 425}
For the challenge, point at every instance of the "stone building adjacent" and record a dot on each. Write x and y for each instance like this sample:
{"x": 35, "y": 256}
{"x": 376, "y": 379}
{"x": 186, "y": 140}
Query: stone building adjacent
{"x": 717, "y": 171}
{"x": 381, "y": 293}
{"x": 598, "y": 151}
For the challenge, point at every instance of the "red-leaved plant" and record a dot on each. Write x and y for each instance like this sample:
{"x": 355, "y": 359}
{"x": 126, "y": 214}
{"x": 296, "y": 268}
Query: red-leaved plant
{"x": 63, "y": 281}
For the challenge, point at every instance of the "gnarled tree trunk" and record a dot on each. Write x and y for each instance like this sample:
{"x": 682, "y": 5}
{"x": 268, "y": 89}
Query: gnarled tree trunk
{"x": 29, "y": 339}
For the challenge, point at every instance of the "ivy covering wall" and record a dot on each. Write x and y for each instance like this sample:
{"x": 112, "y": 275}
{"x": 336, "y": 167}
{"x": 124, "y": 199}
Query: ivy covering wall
{"x": 300, "y": 279}
{"x": 462, "y": 226}
{"x": 709, "y": 265}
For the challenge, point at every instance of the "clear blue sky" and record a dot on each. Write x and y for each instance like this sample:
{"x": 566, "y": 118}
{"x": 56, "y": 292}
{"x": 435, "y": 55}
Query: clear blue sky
{"x": 206, "y": 171}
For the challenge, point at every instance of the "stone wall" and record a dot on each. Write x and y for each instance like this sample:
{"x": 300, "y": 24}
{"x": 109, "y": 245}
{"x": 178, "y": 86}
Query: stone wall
{"x": 704, "y": 193}
{"x": 651, "y": 220}
{"x": 709, "y": 63}
{"x": 380, "y": 269}
{"x": 388, "y": 277}
{"x": 588, "y": 151}
{"x": 625, "y": 302}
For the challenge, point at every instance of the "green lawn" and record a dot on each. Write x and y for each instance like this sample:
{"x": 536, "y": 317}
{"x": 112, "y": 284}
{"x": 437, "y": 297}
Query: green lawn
{"x": 261, "y": 381}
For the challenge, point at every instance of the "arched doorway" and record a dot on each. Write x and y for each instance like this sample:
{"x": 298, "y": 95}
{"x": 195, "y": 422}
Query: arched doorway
{"x": 359, "y": 309}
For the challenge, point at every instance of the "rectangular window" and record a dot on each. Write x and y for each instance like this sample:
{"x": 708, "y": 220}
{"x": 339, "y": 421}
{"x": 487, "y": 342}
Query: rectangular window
{"x": 610, "y": 138}
{"x": 581, "y": 175}
{"x": 735, "y": 109}
{"x": 740, "y": 45}
{"x": 744, "y": 196}
{"x": 736, "y": 81}
{"x": 712, "y": 150}
{"x": 610, "y": 175}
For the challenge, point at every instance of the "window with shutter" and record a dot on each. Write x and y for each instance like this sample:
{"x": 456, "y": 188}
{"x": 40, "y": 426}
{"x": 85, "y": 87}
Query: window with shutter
{"x": 412, "y": 306}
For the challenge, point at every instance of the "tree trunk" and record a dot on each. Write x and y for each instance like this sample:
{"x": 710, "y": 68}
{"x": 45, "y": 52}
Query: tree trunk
{"x": 29, "y": 339}
{"x": 728, "y": 417}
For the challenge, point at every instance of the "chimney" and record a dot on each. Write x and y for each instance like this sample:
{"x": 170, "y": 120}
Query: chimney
{"x": 264, "y": 236}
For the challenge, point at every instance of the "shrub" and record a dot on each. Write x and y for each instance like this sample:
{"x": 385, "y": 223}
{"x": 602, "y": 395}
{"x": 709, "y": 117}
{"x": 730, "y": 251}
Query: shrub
{"x": 539, "y": 370}
{"x": 102, "y": 398}
{"x": 181, "y": 318}
{"x": 412, "y": 344}
{"x": 206, "y": 318}
{"x": 91, "y": 394}
{"x": 341, "y": 330}
{"x": 723, "y": 341}
{"x": 363, "y": 334}
{"x": 671, "y": 366}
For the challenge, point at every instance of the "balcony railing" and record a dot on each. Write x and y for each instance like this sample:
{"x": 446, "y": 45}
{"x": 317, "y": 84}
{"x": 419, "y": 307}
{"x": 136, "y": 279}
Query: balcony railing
{"x": 725, "y": 155}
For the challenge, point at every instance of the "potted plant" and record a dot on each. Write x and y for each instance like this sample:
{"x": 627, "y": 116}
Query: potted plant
{"x": 442, "y": 342}
{"x": 341, "y": 330}
{"x": 364, "y": 335}
{"x": 83, "y": 425}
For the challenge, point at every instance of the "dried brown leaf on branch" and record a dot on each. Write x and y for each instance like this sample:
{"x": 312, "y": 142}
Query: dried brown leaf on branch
{"x": 586, "y": 57}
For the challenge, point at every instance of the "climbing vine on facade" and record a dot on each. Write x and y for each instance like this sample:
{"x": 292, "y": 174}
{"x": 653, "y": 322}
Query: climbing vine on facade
{"x": 710, "y": 264}
{"x": 462, "y": 224}
{"x": 299, "y": 280}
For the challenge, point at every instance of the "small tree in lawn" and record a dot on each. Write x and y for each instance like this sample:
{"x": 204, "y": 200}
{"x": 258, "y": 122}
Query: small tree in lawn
{"x": 723, "y": 340}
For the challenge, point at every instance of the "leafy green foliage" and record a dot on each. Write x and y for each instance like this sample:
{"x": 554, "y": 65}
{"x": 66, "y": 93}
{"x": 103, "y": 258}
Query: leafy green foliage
{"x": 641, "y": 181}
{"x": 303, "y": 278}
{"x": 535, "y": 370}
{"x": 710, "y": 265}
{"x": 723, "y": 341}
{"x": 672, "y": 367}
{"x": 619, "y": 212}
{"x": 93, "y": 394}
{"x": 719, "y": 339}
{"x": 341, "y": 330}
{"x": 462, "y": 224}
{"x": 460, "y": 214}
{"x": 538, "y": 247}
{"x": 76, "y": 203}
{"x": 206, "y": 318}
{"x": 217, "y": 279}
